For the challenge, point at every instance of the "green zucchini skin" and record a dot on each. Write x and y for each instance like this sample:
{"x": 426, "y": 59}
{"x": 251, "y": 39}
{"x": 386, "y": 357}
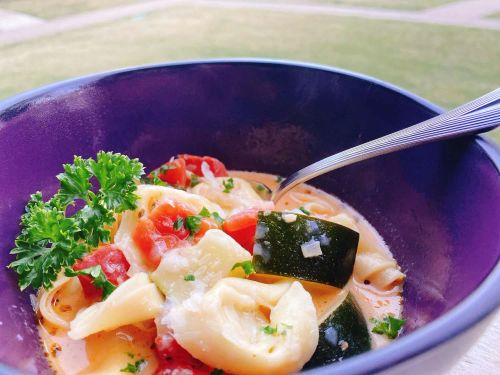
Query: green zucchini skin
{"x": 346, "y": 324}
{"x": 277, "y": 249}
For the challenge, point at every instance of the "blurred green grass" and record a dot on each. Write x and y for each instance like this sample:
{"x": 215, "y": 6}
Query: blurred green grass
{"x": 390, "y": 4}
{"x": 447, "y": 65}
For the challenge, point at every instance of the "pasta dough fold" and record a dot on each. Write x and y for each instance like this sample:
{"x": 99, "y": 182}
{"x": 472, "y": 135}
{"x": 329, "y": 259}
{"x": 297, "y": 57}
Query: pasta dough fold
{"x": 247, "y": 327}
{"x": 136, "y": 300}
{"x": 208, "y": 261}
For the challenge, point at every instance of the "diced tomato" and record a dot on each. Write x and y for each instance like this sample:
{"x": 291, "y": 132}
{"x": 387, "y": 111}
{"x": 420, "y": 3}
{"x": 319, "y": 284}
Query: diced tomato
{"x": 174, "y": 173}
{"x": 165, "y": 215}
{"x": 157, "y": 233}
{"x": 113, "y": 263}
{"x": 173, "y": 359}
{"x": 150, "y": 242}
{"x": 241, "y": 226}
{"x": 193, "y": 164}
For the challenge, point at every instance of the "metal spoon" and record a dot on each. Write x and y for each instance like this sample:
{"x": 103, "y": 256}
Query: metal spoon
{"x": 477, "y": 116}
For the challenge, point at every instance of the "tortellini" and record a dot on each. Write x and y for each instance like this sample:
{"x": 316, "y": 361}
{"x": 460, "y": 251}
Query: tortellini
{"x": 208, "y": 261}
{"x": 383, "y": 272}
{"x": 149, "y": 196}
{"x": 239, "y": 197}
{"x": 134, "y": 301}
{"x": 247, "y": 327}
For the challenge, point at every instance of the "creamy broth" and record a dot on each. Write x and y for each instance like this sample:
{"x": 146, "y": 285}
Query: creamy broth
{"x": 108, "y": 352}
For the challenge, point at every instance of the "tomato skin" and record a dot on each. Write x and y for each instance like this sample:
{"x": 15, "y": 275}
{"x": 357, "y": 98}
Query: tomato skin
{"x": 113, "y": 263}
{"x": 241, "y": 227}
{"x": 193, "y": 164}
{"x": 176, "y": 175}
{"x": 173, "y": 359}
{"x": 150, "y": 242}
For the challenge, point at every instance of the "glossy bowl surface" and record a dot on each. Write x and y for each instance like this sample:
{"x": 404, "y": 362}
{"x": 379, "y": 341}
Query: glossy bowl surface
{"x": 437, "y": 206}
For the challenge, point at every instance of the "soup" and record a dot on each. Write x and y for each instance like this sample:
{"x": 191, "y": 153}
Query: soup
{"x": 190, "y": 270}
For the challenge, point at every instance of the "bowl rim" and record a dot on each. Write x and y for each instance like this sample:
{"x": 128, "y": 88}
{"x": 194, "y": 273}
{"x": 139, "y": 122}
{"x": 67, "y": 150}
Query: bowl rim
{"x": 479, "y": 304}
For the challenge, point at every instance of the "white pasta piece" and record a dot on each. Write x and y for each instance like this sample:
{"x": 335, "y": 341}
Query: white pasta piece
{"x": 241, "y": 196}
{"x": 224, "y": 327}
{"x": 378, "y": 269}
{"x": 136, "y": 300}
{"x": 345, "y": 220}
{"x": 208, "y": 261}
{"x": 46, "y": 306}
{"x": 314, "y": 204}
{"x": 149, "y": 196}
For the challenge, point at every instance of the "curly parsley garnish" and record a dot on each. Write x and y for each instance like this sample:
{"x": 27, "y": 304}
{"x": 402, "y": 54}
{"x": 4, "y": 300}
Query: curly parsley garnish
{"x": 246, "y": 265}
{"x": 52, "y": 239}
{"x": 135, "y": 367}
{"x": 390, "y": 326}
{"x": 99, "y": 279}
{"x": 228, "y": 185}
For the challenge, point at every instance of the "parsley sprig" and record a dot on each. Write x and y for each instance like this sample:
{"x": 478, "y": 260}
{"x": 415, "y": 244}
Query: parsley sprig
{"x": 390, "y": 326}
{"x": 52, "y": 239}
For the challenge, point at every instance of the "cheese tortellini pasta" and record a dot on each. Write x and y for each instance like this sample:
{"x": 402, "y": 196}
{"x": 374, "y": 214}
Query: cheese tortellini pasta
{"x": 226, "y": 327}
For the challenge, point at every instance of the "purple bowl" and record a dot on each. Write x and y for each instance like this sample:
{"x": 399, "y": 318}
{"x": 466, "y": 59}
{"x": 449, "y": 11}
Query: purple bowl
{"x": 437, "y": 206}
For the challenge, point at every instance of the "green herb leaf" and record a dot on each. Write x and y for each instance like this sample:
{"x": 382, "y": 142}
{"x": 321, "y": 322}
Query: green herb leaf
{"x": 153, "y": 179}
{"x": 167, "y": 167}
{"x": 268, "y": 330}
{"x": 193, "y": 223}
{"x": 189, "y": 278}
{"x": 228, "y": 185}
{"x": 390, "y": 326}
{"x": 195, "y": 180}
{"x": 130, "y": 354}
{"x": 218, "y": 219}
{"x": 100, "y": 280}
{"x": 246, "y": 265}
{"x": 134, "y": 368}
{"x": 204, "y": 212}
{"x": 179, "y": 223}
{"x": 304, "y": 210}
{"x": 51, "y": 240}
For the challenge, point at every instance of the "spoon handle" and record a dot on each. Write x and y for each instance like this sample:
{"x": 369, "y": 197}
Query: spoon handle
{"x": 476, "y": 116}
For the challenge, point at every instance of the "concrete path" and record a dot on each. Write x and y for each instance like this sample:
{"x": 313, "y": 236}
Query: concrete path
{"x": 465, "y": 13}
{"x": 10, "y": 20}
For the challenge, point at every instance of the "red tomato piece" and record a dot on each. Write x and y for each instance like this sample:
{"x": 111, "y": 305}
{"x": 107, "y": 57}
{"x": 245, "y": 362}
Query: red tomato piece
{"x": 175, "y": 173}
{"x": 165, "y": 215}
{"x": 150, "y": 242}
{"x": 113, "y": 263}
{"x": 241, "y": 226}
{"x": 193, "y": 164}
{"x": 173, "y": 359}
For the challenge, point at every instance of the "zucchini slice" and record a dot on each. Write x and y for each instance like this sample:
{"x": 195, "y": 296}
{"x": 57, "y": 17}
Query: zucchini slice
{"x": 342, "y": 335}
{"x": 279, "y": 243}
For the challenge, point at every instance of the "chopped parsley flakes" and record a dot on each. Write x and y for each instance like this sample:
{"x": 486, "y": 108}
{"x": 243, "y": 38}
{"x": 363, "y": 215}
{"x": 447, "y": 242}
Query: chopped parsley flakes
{"x": 305, "y": 210}
{"x": 390, "y": 326}
{"x": 135, "y": 367}
{"x": 246, "y": 265}
{"x": 269, "y": 330}
{"x": 195, "y": 180}
{"x": 228, "y": 185}
{"x": 189, "y": 277}
{"x": 193, "y": 224}
{"x": 179, "y": 223}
